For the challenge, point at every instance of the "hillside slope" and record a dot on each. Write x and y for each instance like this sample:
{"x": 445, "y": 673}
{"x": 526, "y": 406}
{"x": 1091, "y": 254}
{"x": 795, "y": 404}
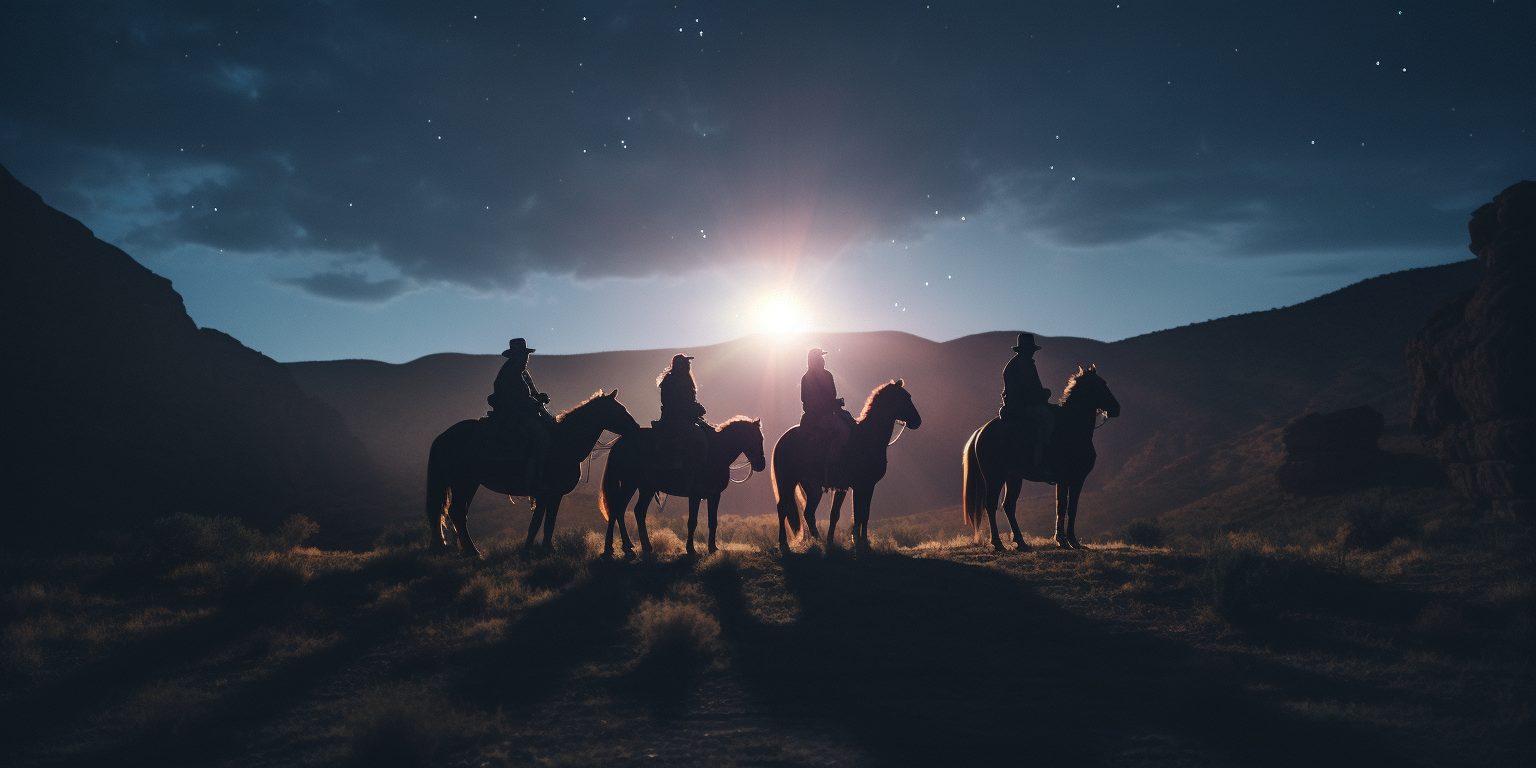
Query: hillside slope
{"x": 118, "y": 408}
{"x": 1203, "y": 404}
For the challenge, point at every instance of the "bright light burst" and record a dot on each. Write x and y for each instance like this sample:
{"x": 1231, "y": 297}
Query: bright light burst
{"x": 782, "y": 315}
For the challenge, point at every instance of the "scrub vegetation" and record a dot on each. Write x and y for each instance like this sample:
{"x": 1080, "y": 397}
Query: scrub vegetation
{"x": 1381, "y": 627}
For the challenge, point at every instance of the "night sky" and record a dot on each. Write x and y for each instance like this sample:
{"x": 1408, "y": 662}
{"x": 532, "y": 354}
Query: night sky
{"x": 331, "y": 180}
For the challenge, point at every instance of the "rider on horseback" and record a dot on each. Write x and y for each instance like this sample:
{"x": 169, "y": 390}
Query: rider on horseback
{"x": 517, "y": 409}
{"x": 1025, "y": 399}
{"x": 684, "y": 434}
{"x": 824, "y": 414}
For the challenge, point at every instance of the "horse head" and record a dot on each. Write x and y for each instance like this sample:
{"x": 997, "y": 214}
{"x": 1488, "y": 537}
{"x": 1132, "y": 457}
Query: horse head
{"x": 1090, "y": 389}
{"x": 744, "y": 435}
{"x": 895, "y": 400}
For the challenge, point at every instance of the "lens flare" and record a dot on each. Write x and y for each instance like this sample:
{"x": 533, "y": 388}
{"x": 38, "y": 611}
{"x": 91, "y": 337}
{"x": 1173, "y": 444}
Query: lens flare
{"x": 781, "y": 315}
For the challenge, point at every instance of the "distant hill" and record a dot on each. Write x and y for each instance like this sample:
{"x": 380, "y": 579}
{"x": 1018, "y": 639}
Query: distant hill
{"x": 1202, "y": 404}
{"x": 119, "y": 409}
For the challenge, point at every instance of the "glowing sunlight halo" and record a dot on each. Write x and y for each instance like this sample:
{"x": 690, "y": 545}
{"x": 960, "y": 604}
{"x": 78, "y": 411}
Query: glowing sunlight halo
{"x": 780, "y": 314}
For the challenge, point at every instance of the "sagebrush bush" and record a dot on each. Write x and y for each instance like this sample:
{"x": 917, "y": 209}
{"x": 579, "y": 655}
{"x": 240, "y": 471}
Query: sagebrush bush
{"x": 674, "y": 632}
{"x": 395, "y": 536}
{"x": 185, "y": 538}
{"x": 1246, "y": 586}
{"x": 907, "y": 536}
{"x": 296, "y": 529}
{"x": 1144, "y": 532}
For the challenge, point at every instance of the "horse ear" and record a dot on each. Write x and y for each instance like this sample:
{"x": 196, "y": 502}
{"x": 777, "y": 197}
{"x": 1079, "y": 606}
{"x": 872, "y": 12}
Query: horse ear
{"x": 1091, "y": 366}
{"x": 613, "y": 394}
{"x": 897, "y": 382}
{"x": 1079, "y": 370}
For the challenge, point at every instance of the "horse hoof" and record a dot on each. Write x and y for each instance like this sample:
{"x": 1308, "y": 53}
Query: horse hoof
{"x": 712, "y": 549}
{"x": 1022, "y": 547}
{"x": 1077, "y": 544}
{"x": 783, "y": 548}
{"x": 1063, "y": 543}
{"x": 997, "y": 546}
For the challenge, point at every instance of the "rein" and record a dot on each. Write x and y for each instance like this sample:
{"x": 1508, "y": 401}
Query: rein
{"x": 586, "y": 464}
{"x": 745, "y": 464}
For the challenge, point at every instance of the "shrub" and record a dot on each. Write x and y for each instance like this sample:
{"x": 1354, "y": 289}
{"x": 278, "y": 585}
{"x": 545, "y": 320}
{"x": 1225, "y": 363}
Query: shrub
{"x": 395, "y": 536}
{"x": 184, "y": 538}
{"x": 296, "y": 529}
{"x": 673, "y": 633}
{"x": 1144, "y": 532}
{"x": 1373, "y": 526}
{"x": 1246, "y": 587}
{"x": 907, "y": 536}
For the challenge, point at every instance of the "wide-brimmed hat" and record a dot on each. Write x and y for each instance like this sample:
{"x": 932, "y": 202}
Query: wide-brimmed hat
{"x": 1026, "y": 341}
{"x": 517, "y": 346}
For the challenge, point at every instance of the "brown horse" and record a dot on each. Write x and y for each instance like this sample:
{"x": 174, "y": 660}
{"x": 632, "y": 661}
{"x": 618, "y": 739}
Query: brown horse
{"x": 998, "y": 458}
{"x": 458, "y": 466}
{"x": 630, "y": 469}
{"x": 800, "y": 471}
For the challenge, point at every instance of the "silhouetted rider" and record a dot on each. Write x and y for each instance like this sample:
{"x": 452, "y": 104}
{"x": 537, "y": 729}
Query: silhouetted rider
{"x": 517, "y": 408}
{"x": 1024, "y": 397}
{"x": 683, "y": 435}
{"x": 824, "y": 412}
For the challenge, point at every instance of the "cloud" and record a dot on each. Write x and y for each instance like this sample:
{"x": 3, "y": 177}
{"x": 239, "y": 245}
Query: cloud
{"x": 350, "y": 286}
{"x": 481, "y": 150}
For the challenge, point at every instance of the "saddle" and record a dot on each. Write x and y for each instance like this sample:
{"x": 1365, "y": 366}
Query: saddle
{"x": 501, "y": 442}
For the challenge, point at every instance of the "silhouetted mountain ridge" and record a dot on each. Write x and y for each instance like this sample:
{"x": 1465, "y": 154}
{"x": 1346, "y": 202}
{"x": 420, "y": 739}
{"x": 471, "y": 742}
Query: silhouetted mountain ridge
{"x": 120, "y": 409}
{"x": 1203, "y": 404}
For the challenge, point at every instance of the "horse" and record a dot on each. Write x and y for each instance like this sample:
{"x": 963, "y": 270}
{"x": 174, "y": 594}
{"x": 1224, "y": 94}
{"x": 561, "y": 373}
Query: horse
{"x": 997, "y": 458}
{"x": 798, "y": 470}
{"x": 458, "y": 465}
{"x": 630, "y": 469}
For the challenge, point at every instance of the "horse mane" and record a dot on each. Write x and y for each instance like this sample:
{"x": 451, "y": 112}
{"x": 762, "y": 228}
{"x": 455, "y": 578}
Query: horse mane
{"x": 721, "y": 427}
{"x": 870, "y": 403}
{"x": 1066, "y": 392}
{"x": 595, "y": 395}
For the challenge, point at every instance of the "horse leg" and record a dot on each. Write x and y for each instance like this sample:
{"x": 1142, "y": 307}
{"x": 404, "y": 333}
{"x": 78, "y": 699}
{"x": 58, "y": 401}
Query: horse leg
{"x": 642, "y": 505}
{"x": 837, "y": 510}
{"x": 629, "y": 549}
{"x": 783, "y": 516}
{"x": 1076, "y": 491}
{"x": 812, "y": 501}
{"x": 459, "y": 514}
{"x": 549, "y": 523}
{"x": 616, "y": 517}
{"x": 862, "y": 496}
{"x": 1062, "y": 502}
{"x": 990, "y": 502}
{"x": 1010, "y": 504}
{"x": 693, "y": 523}
{"x": 714, "y": 520}
{"x": 533, "y": 525}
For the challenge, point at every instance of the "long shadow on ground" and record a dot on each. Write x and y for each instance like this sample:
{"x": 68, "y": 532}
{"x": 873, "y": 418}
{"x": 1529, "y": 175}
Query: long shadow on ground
{"x": 932, "y": 662}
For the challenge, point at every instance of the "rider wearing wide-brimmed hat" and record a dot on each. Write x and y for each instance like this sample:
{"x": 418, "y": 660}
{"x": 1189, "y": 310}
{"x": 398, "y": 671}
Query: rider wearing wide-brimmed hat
{"x": 824, "y": 411}
{"x": 517, "y": 408}
{"x": 1024, "y": 397}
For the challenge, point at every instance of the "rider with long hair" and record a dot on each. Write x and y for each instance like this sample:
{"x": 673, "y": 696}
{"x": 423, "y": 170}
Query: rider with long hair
{"x": 684, "y": 438}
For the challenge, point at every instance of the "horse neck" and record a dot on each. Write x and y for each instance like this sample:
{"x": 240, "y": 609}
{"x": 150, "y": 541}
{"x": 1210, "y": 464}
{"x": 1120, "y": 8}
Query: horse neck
{"x": 724, "y": 447}
{"x": 876, "y": 426}
{"x": 1075, "y": 414}
{"x": 575, "y": 434}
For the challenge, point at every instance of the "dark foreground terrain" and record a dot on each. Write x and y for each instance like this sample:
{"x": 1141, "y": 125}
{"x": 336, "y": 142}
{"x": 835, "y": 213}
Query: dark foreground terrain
{"x": 216, "y": 646}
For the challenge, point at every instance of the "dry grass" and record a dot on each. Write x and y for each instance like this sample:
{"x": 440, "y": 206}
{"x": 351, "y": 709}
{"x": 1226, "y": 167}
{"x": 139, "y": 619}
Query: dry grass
{"x": 241, "y": 655}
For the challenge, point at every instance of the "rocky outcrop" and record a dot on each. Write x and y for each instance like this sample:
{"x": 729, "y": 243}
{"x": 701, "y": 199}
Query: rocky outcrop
{"x": 1328, "y": 453}
{"x": 1474, "y": 362}
{"x": 118, "y": 408}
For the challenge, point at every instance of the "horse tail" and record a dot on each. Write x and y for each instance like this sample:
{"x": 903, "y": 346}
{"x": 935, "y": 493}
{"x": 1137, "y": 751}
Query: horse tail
{"x": 975, "y": 486}
{"x": 439, "y": 494}
{"x": 785, "y": 488}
